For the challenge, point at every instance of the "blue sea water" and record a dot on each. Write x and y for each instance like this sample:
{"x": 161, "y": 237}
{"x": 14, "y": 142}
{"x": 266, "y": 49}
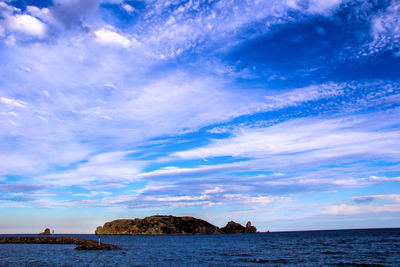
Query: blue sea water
{"x": 369, "y": 247}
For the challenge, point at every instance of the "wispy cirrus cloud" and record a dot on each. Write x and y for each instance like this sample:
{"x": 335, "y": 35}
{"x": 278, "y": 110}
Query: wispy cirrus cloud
{"x": 13, "y": 102}
{"x": 105, "y": 168}
{"x": 320, "y": 139}
{"x": 190, "y": 201}
{"x": 371, "y": 198}
{"x": 21, "y": 188}
{"x": 357, "y": 210}
{"x": 386, "y": 30}
{"x": 367, "y": 207}
{"x": 110, "y": 37}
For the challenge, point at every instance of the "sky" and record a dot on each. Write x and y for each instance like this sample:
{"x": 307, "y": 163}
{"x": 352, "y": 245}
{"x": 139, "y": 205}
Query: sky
{"x": 285, "y": 113}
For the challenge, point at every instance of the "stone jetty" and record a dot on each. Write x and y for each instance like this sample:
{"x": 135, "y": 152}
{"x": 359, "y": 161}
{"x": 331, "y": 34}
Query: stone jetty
{"x": 82, "y": 244}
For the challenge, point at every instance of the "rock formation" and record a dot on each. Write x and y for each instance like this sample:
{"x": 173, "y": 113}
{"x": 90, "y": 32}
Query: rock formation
{"x": 250, "y": 228}
{"x": 236, "y": 228}
{"x": 169, "y": 225}
{"x": 158, "y": 225}
{"x": 45, "y": 232}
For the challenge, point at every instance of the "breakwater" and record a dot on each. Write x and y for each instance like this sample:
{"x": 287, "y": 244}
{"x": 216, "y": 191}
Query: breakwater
{"x": 82, "y": 244}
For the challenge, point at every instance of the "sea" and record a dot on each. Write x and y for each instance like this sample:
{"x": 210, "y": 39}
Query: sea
{"x": 364, "y": 247}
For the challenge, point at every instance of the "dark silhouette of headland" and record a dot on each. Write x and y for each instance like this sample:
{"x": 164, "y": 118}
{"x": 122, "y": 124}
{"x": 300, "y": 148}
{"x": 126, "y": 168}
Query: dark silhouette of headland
{"x": 170, "y": 225}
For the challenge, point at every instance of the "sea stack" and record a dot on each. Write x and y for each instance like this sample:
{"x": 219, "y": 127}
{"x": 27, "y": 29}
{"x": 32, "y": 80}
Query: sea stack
{"x": 250, "y": 228}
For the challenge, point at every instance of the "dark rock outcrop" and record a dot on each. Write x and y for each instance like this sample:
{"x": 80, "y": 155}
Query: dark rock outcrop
{"x": 250, "y": 229}
{"x": 45, "y": 232}
{"x": 158, "y": 225}
{"x": 169, "y": 225}
{"x": 233, "y": 228}
{"x": 82, "y": 244}
{"x": 236, "y": 228}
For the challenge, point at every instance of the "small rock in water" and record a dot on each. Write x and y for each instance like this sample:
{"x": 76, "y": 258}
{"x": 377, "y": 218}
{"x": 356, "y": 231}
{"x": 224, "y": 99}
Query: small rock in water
{"x": 45, "y": 232}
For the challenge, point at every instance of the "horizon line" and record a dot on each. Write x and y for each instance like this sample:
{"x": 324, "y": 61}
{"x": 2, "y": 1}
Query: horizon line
{"x": 263, "y": 232}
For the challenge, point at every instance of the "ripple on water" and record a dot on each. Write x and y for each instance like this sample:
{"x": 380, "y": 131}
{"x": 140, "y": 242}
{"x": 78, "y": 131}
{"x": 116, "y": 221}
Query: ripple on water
{"x": 282, "y": 261}
{"x": 357, "y": 264}
{"x": 320, "y": 248}
{"x": 334, "y": 252}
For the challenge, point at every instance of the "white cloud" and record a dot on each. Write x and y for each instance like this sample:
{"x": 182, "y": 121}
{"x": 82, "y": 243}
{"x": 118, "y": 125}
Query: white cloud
{"x": 345, "y": 209}
{"x": 109, "y": 37}
{"x": 188, "y": 172}
{"x": 370, "y": 198}
{"x": 35, "y": 155}
{"x": 369, "y": 204}
{"x": 140, "y": 201}
{"x": 323, "y": 7}
{"x": 22, "y": 164}
{"x": 104, "y": 168}
{"x": 316, "y": 138}
{"x": 246, "y": 199}
{"x": 28, "y": 25}
{"x": 42, "y": 13}
{"x": 301, "y": 95}
{"x": 167, "y": 105}
{"x": 7, "y": 10}
{"x": 140, "y": 106}
{"x": 190, "y": 24}
{"x": 178, "y": 102}
{"x": 314, "y": 6}
{"x": 92, "y": 194}
{"x": 13, "y": 102}
{"x": 128, "y": 8}
{"x": 385, "y": 29}
{"x": 214, "y": 190}
{"x": 230, "y": 179}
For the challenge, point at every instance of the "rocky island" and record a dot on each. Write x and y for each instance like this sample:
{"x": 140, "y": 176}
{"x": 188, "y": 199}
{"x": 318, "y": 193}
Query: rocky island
{"x": 236, "y": 228}
{"x": 169, "y": 225}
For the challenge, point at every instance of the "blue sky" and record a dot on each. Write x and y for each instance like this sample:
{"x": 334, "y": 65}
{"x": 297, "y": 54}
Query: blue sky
{"x": 285, "y": 113}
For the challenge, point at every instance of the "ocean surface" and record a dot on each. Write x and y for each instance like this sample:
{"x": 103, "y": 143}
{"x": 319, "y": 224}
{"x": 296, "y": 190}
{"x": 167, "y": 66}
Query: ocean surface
{"x": 372, "y": 247}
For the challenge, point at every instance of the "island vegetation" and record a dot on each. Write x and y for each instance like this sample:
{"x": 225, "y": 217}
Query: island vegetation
{"x": 170, "y": 225}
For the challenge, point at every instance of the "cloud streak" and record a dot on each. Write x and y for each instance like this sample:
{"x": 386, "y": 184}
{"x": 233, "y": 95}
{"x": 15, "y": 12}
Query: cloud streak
{"x": 319, "y": 139}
